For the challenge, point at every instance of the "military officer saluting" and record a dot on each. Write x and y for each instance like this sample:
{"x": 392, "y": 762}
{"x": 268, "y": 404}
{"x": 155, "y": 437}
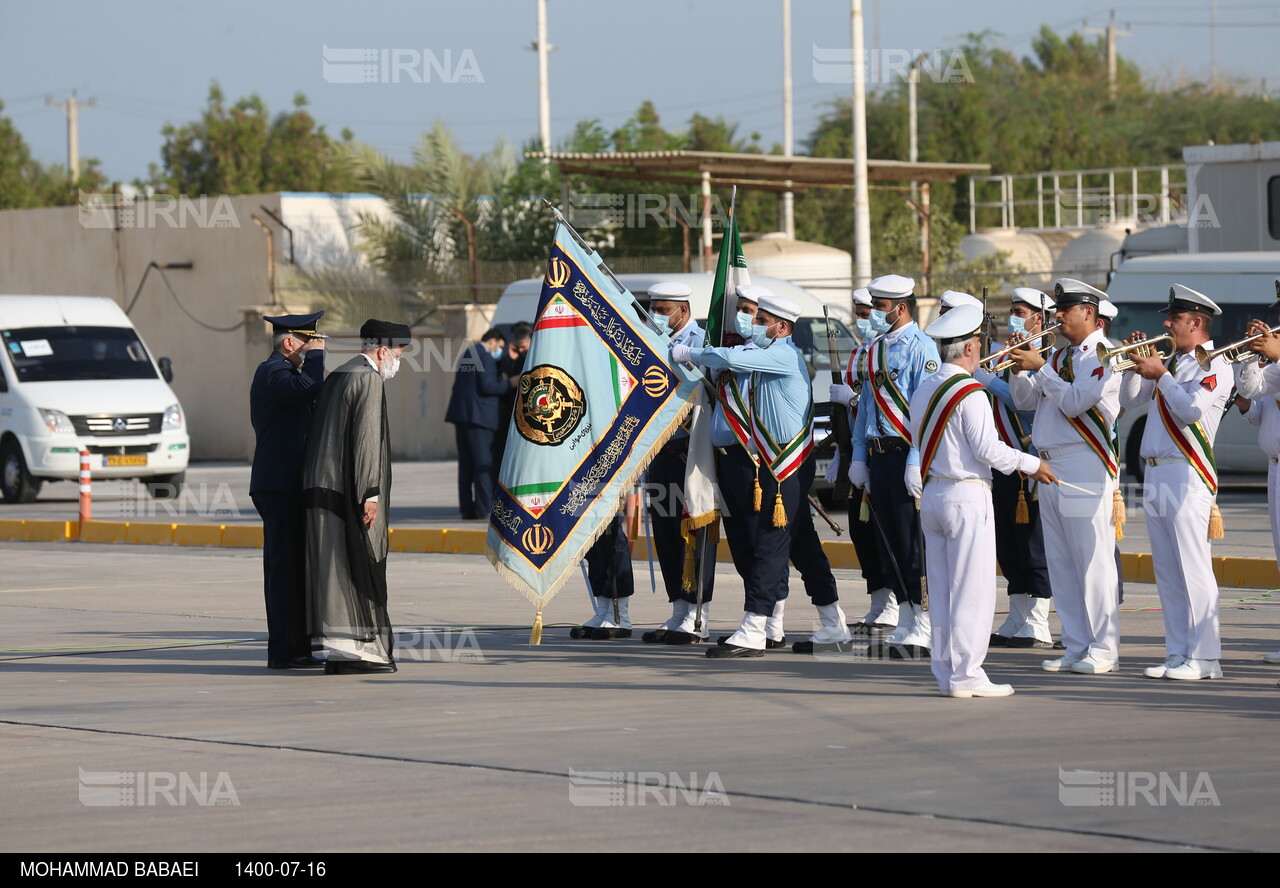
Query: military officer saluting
{"x": 955, "y": 433}
{"x": 1076, "y": 400}
{"x": 282, "y": 398}
{"x": 781, "y": 417}
{"x": 898, "y": 362}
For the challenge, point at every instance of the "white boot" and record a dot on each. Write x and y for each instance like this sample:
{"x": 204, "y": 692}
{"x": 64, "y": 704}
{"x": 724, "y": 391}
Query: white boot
{"x": 750, "y": 634}
{"x": 1019, "y": 607}
{"x": 1037, "y": 621}
{"x": 906, "y": 616}
{"x": 679, "y": 610}
{"x": 921, "y": 634}
{"x": 690, "y": 617}
{"x": 601, "y": 605}
{"x": 623, "y": 618}
{"x": 774, "y": 629}
{"x": 884, "y": 609}
{"x": 833, "y": 628}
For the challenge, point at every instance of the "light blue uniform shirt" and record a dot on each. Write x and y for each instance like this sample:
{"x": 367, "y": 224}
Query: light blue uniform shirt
{"x": 782, "y": 393}
{"x": 913, "y": 356}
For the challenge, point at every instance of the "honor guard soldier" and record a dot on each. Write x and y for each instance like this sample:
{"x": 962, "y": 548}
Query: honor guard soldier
{"x": 898, "y": 361}
{"x": 781, "y": 416}
{"x": 737, "y": 463}
{"x": 1262, "y": 389}
{"x": 1019, "y": 535}
{"x": 883, "y": 614}
{"x": 282, "y": 399}
{"x": 669, "y": 307}
{"x": 955, "y": 433}
{"x": 954, "y": 299}
{"x": 1076, "y": 400}
{"x": 1181, "y": 479}
{"x": 1107, "y": 313}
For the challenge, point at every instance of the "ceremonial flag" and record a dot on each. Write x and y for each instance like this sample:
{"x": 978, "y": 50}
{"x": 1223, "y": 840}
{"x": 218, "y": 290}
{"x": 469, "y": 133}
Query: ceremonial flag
{"x": 731, "y": 271}
{"x": 595, "y": 402}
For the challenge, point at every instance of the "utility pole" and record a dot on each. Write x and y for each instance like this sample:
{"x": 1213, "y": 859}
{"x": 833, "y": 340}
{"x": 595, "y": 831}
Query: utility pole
{"x": 1111, "y": 35}
{"x": 1213, "y": 45}
{"x": 541, "y": 47}
{"x": 788, "y": 199}
{"x": 72, "y": 106}
{"x": 861, "y": 194}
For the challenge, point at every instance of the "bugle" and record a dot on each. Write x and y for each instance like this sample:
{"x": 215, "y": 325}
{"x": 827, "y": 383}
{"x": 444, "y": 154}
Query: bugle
{"x": 1235, "y": 353}
{"x": 1025, "y": 344}
{"x": 1143, "y": 348}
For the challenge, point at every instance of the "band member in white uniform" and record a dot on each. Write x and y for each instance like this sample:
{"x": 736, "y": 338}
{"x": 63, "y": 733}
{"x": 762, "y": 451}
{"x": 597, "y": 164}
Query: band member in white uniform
{"x": 954, "y": 430}
{"x": 1076, "y": 400}
{"x": 1181, "y": 480}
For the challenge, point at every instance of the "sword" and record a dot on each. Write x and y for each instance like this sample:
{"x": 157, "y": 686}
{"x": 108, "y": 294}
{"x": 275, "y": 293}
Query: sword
{"x": 817, "y": 506}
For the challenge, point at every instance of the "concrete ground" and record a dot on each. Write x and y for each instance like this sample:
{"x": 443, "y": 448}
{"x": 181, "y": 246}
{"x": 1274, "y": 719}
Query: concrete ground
{"x": 151, "y": 660}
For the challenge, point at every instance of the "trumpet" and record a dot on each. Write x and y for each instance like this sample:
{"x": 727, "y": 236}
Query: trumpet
{"x": 1026, "y": 344}
{"x": 1144, "y": 348}
{"x": 1235, "y": 353}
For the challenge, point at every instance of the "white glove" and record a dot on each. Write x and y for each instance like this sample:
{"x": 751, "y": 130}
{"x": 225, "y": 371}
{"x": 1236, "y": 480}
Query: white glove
{"x": 833, "y": 470}
{"x": 915, "y": 487}
{"x": 841, "y": 394}
{"x": 681, "y": 354}
{"x": 860, "y": 475}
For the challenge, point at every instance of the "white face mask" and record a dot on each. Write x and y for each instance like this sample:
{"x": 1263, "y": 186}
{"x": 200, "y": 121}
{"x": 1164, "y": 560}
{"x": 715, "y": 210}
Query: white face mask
{"x": 388, "y": 372}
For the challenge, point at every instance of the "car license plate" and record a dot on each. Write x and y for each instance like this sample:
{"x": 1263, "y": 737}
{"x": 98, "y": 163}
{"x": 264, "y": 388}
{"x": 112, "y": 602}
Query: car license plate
{"x": 138, "y": 459}
{"x": 820, "y": 468}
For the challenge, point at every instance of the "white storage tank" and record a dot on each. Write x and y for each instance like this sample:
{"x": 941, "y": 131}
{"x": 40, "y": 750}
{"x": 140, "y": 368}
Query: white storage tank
{"x": 826, "y": 272}
{"x": 1088, "y": 257}
{"x": 1028, "y": 250}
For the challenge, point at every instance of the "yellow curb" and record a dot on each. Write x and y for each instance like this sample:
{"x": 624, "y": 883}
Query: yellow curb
{"x": 463, "y": 542}
{"x": 417, "y": 539}
{"x": 150, "y": 534}
{"x": 48, "y": 531}
{"x": 242, "y": 536}
{"x": 198, "y": 534}
{"x": 104, "y": 532}
{"x": 11, "y": 530}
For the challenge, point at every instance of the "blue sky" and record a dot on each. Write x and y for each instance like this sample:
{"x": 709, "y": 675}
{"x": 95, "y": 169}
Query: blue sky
{"x": 148, "y": 62}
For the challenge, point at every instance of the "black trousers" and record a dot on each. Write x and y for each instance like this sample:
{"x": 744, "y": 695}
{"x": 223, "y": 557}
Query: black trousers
{"x": 736, "y": 476}
{"x": 664, "y": 491}
{"x": 475, "y": 468}
{"x": 866, "y": 543}
{"x": 900, "y": 521}
{"x": 609, "y": 562}
{"x": 284, "y": 573}
{"x": 797, "y": 542}
{"x": 1019, "y": 547}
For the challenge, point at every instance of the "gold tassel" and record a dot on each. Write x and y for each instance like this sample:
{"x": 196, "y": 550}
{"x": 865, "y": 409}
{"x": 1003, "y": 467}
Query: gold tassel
{"x": 1216, "y": 530}
{"x": 1117, "y": 513}
{"x": 687, "y": 580}
{"x": 757, "y": 496}
{"x": 779, "y": 510}
{"x": 1023, "y": 514}
{"x": 864, "y": 512}
{"x": 535, "y": 637}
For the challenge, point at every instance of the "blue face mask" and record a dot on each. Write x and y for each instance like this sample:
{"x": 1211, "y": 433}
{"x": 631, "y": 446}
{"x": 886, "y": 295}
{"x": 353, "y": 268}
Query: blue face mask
{"x": 497, "y": 353}
{"x": 864, "y": 328}
{"x": 878, "y": 323}
{"x": 663, "y": 323}
{"x": 743, "y": 324}
{"x": 1017, "y": 325}
{"x": 760, "y": 336}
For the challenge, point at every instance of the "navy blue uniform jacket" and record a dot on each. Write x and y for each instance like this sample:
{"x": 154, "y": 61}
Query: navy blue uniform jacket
{"x": 281, "y": 401}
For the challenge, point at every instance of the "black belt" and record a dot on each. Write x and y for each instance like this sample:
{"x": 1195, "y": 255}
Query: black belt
{"x": 887, "y": 445}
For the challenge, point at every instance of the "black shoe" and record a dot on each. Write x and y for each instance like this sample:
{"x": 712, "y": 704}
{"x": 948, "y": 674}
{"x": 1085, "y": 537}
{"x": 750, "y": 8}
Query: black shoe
{"x": 732, "y": 652}
{"x": 998, "y": 640}
{"x": 1027, "y": 642}
{"x": 356, "y": 667}
{"x": 307, "y": 662}
{"x": 654, "y": 636}
{"x": 907, "y": 652}
{"x": 871, "y": 628}
{"x": 674, "y": 637}
{"x": 601, "y": 633}
{"x": 770, "y": 644}
{"x": 1059, "y": 646}
{"x": 581, "y": 631}
{"x": 820, "y": 647}
{"x": 469, "y": 516}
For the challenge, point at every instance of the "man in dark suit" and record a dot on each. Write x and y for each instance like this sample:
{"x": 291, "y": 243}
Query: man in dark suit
{"x": 281, "y": 401}
{"x": 473, "y": 409}
{"x": 511, "y": 366}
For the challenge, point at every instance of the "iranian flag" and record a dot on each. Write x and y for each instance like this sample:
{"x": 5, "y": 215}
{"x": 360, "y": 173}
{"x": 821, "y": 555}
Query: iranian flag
{"x": 731, "y": 271}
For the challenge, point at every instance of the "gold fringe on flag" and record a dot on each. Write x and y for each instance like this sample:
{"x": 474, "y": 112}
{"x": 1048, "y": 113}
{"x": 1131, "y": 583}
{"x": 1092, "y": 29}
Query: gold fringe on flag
{"x": 1216, "y": 529}
{"x": 1117, "y": 513}
{"x": 535, "y": 637}
{"x": 1023, "y": 514}
{"x": 864, "y": 511}
{"x": 779, "y": 510}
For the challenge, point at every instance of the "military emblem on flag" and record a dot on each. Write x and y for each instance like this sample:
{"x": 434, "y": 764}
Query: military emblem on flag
{"x": 598, "y": 401}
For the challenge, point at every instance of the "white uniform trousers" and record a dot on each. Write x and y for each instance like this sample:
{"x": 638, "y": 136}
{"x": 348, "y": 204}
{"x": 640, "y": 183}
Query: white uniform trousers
{"x": 960, "y": 559}
{"x": 1080, "y": 549}
{"x": 1273, "y": 502}
{"x": 1177, "y": 505}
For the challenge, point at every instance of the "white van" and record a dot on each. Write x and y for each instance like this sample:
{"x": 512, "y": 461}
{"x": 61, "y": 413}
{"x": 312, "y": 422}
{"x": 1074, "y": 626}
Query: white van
{"x": 519, "y": 302}
{"x": 76, "y": 376}
{"x": 1243, "y": 286}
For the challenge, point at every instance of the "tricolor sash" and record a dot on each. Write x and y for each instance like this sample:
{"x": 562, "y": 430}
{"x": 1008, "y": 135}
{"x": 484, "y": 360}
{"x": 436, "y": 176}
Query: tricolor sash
{"x": 889, "y": 401}
{"x": 1008, "y": 423}
{"x": 1191, "y": 440}
{"x": 783, "y": 459}
{"x": 943, "y": 403}
{"x": 1091, "y": 426}
{"x": 736, "y": 412}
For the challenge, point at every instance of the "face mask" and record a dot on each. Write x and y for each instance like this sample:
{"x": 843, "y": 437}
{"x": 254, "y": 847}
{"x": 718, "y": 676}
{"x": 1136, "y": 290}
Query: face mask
{"x": 496, "y": 353}
{"x": 742, "y": 324}
{"x": 663, "y": 323}
{"x": 388, "y": 372}
{"x": 878, "y": 323}
{"x": 1017, "y": 325}
{"x": 864, "y": 328}
{"x": 760, "y": 335}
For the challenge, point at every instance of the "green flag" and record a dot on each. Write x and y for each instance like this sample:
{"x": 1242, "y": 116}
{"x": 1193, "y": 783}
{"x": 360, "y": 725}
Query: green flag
{"x": 731, "y": 271}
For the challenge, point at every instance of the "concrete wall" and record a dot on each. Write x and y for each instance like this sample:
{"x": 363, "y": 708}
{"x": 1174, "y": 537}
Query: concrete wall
{"x": 75, "y": 251}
